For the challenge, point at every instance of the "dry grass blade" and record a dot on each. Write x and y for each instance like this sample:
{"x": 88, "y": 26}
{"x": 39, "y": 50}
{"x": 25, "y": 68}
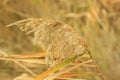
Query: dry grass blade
{"x": 28, "y": 60}
{"x": 18, "y": 63}
{"x": 35, "y": 55}
{"x": 65, "y": 71}
{"x": 31, "y": 58}
{"x": 70, "y": 79}
{"x": 77, "y": 74}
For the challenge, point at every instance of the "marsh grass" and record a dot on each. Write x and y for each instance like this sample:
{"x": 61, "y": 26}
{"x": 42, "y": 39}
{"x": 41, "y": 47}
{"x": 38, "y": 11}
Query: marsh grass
{"x": 85, "y": 16}
{"x": 61, "y": 43}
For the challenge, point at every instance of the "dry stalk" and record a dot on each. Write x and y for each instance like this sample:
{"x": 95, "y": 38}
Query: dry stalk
{"x": 18, "y": 63}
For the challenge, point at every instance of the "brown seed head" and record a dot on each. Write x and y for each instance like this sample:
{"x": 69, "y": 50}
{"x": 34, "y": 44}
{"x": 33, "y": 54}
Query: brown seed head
{"x": 59, "y": 40}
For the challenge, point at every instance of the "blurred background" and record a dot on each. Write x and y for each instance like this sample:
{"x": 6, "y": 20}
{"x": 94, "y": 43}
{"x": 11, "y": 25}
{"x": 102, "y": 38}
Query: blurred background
{"x": 97, "y": 21}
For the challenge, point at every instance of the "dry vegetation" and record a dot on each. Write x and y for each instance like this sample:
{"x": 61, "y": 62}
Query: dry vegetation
{"x": 97, "y": 21}
{"x": 58, "y": 40}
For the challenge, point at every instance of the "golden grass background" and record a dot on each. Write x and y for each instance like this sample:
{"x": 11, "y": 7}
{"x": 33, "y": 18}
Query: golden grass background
{"x": 97, "y": 21}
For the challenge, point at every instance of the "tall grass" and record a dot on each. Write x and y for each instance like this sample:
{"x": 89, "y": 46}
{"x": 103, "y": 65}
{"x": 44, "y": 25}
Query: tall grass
{"x": 96, "y": 21}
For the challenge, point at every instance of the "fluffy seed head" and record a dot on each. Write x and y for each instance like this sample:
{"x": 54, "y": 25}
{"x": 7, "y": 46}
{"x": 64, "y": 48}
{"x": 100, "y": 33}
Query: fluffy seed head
{"x": 59, "y": 40}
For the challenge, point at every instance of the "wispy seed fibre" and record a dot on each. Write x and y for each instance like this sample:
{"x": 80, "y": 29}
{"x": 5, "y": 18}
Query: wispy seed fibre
{"x": 59, "y": 40}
